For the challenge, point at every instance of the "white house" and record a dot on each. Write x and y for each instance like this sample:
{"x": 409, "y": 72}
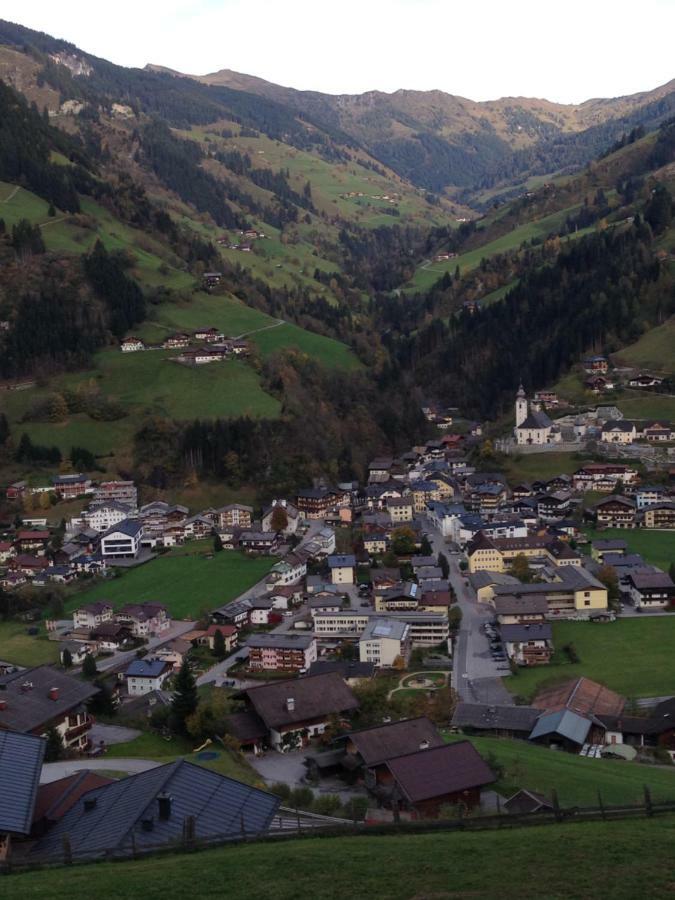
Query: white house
{"x": 131, "y": 345}
{"x": 618, "y": 432}
{"x": 384, "y": 642}
{"x": 146, "y": 675}
{"x": 122, "y": 541}
{"x": 292, "y": 516}
{"x": 104, "y": 516}
{"x": 92, "y": 614}
{"x": 342, "y": 569}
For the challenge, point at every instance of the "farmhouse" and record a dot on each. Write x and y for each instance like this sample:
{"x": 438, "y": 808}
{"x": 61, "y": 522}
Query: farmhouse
{"x": 616, "y": 512}
{"x": 146, "y": 675}
{"x": 650, "y": 590}
{"x": 132, "y": 345}
{"x": 660, "y": 515}
{"x": 367, "y": 750}
{"x": 500, "y": 721}
{"x": 529, "y": 643}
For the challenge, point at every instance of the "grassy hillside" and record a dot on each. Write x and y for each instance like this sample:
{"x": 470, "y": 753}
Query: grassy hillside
{"x": 632, "y": 656}
{"x": 186, "y": 582}
{"x": 573, "y": 861}
{"x": 577, "y": 779}
{"x": 654, "y": 351}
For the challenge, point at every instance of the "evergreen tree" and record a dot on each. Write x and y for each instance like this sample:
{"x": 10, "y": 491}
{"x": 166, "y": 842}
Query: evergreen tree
{"x": 4, "y": 430}
{"x": 219, "y": 650}
{"x": 425, "y": 546}
{"x": 89, "y": 669}
{"x": 54, "y": 748}
{"x": 102, "y": 704}
{"x": 217, "y": 543}
{"x": 185, "y": 698}
{"x": 444, "y": 565}
{"x": 279, "y": 521}
{"x": 66, "y": 658}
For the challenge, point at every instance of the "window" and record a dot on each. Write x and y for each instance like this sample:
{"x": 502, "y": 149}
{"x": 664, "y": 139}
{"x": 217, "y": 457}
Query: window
{"x": 587, "y": 602}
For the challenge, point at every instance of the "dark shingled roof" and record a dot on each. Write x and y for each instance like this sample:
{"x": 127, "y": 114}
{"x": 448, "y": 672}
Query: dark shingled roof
{"x": 498, "y": 718}
{"x": 526, "y": 631}
{"x": 314, "y": 696}
{"x": 221, "y": 807}
{"x": 246, "y": 726}
{"x": 30, "y": 708}
{"x": 510, "y": 605}
{"x": 439, "y": 771}
{"x": 375, "y": 745}
{"x": 347, "y": 668}
{"x": 21, "y": 758}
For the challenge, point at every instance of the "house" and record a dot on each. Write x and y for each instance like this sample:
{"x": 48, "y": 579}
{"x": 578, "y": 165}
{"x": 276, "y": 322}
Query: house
{"x": 120, "y": 491}
{"x": 425, "y": 781}
{"x": 146, "y": 675}
{"x": 32, "y": 542}
{"x": 174, "y": 653}
{"x": 68, "y": 487}
{"x": 292, "y": 517}
{"x": 176, "y": 341}
{"x": 596, "y": 364}
{"x": 660, "y": 515}
{"x": 144, "y": 619}
{"x": 287, "y": 652}
{"x": 615, "y": 511}
{"x": 290, "y": 570}
{"x": 102, "y": 516}
{"x": 158, "y": 807}
{"x": 55, "y": 798}
{"x": 525, "y": 801}
{"x": 110, "y": 635}
{"x": 351, "y": 670}
{"x": 342, "y": 569}
{"x": 520, "y": 610}
{"x": 658, "y": 432}
{"x": 236, "y": 612}
{"x": 211, "y": 335}
{"x": 375, "y": 543}
{"x": 261, "y": 610}
{"x": 293, "y": 711}
{"x": 385, "y": 643}
{"x": 614, "y": 546}
{"x": 618, "y": 432}
{"x": 29, "y": 565}
{"x": 651, "y": 590}
{"x": 529, "y": 643}
{"x": 259, "y": 541}
{"x": 211, "y": 279}
{"x": 499, "y": 721}
{"x": 21, "y": 757}
{"x": 78, "y": 650}
{"x": 33, "y": 701}
{"x": 122, "y": 541}
{"x": 649, "y": 495}
{"x": 422, "y": 493}
{"x": 92, "y": 615}
{"x": 582, "y": 696}
{"x": 234, "y": 515}
{"x": 368, "y": 749}
{"x": 131, "y": 345}
{"x": 322, "y": 544}
{"x": 533, "y": 425}
{"x": 16, "y": 490}
{"x": 229, "y": 632}
{"x": 603, "y": 477}
{"x": 644, "y": 381}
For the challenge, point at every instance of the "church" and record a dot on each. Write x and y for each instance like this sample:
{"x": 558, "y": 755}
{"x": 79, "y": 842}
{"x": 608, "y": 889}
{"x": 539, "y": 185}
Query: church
{"x": 533, "y": 426}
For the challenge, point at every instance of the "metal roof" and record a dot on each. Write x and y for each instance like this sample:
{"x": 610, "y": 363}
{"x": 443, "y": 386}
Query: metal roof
{"x": 221, "y": 807}
{"x": 564, "y": 723}
{"x": 20, "y": 766}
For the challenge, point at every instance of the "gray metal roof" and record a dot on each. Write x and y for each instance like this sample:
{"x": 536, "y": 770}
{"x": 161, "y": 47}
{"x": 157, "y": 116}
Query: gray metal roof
{"x": 20, "y": 766}
{"x": 498, "y": 718}
{"x": 565, "y": 723}
{"x": 221, "y": 806}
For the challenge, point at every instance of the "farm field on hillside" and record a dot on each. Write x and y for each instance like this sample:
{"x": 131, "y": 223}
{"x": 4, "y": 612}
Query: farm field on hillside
{"x": 535, "y": 466}
{"x": 425, "y": 277}
{"x": 187, "y": 585}
{"x": 657, "y": 547}
{"x": 655, "y": 350}
{"x": 633, "y": 656}
{"x": 572, "y": 861}
{"x": 577, "y": 779}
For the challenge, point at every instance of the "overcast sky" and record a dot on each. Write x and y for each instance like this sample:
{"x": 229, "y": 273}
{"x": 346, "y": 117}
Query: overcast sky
{"x": 482, "y": 49}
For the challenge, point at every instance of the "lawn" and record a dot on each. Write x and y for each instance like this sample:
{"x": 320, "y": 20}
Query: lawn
{"x": 633, "y": 656}
{"x": 624, "y": 860}
{"x": 657, "y": 547}
{"x": 187, "y": 585}
{"x": 536, "y": 466}
{"x": 577, "y": 779}
{"x": 23, "y": 649}
{"x": 153, "y": 746}
{"x": 655, "y": 350}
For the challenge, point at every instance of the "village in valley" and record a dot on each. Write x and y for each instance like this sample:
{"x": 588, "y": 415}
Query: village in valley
{"x": 379, "y": 646}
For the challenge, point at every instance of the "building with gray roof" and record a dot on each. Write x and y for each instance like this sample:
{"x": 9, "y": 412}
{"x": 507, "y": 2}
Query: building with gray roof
{"x": 21, "y": 758}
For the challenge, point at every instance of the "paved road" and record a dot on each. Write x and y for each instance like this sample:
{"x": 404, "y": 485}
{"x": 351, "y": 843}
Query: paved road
{"x": 118, "y": 660}
{"x": 475, "y": 675}
{"x": 54, "y": 771}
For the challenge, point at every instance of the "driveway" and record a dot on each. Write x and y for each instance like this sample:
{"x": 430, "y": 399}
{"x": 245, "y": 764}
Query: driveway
{"x": 111, "y": 734}
{"x": 288, "y": 768}
{"x": 54, "y": 771}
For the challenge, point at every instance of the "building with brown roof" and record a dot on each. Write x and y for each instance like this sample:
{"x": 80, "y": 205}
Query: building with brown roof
{"x": 421, "y": 783}
{"x": 295, "y": 710}
{"x": 371, "y": 747}
{"x": 57, "y": 797}
{"x": 581, "y": 696}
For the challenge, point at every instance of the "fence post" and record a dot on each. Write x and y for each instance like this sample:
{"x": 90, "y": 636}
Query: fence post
{"x": 649, "y": 809}
{"x": 556, "y": 806}
{"x": 602, "y": 806}
{"x": 133, "y": 845}
{"x": 67, "y": 851}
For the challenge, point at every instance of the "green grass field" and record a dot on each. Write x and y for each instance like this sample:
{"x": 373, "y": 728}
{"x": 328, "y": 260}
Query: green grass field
{"x": 427, "y": 275}
{"x": 23, "y": 649}
{"x": 187, "y": 585}
{"x": 657, "y": 547}
{"x": 153, "y": 746}
{"x": 633, "y": 656}
{"x": 536, "y": 466}
{"x": 575, "y": 861}
{"x": 577, "y": 779}
{"x": 655, "y": 350}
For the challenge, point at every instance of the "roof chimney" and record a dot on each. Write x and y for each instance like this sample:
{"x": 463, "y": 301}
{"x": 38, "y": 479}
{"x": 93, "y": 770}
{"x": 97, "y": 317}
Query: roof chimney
{"x": 53, "y": 693}
{"x": 164, "y": 803}
{"x": 424, "y": 745}
{"x": 89, "y": 804}
{"x": 290, "y": 704}
{"x": 3, "y": 704}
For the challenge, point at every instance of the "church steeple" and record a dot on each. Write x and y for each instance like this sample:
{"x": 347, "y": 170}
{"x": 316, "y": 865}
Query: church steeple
{"x": 521, "y": 406}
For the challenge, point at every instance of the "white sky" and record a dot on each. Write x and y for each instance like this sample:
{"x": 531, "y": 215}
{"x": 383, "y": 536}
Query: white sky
{"x": 483, "y": 49}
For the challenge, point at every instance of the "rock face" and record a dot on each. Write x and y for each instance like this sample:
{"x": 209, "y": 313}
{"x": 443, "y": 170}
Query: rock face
{"x": 76, "y": 65}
